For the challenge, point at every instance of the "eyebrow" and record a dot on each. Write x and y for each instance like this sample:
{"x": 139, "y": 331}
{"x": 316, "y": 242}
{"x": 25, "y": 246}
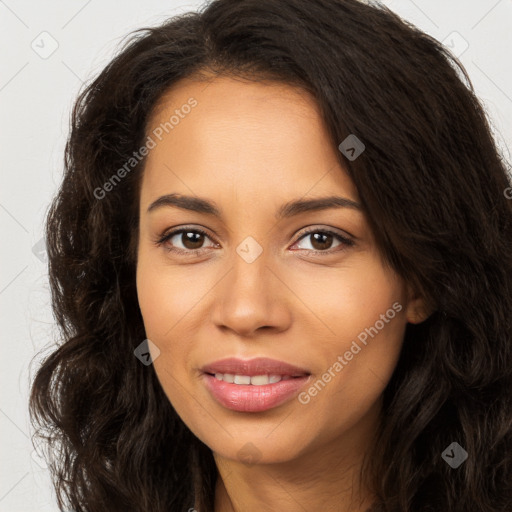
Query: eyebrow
{"x": 287, "y": 210}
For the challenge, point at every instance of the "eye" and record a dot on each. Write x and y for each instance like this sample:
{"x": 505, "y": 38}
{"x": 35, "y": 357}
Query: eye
{"x": 190, "y": 241}
{"x": 321, "y": 240}
{"x": 184, "y": 240}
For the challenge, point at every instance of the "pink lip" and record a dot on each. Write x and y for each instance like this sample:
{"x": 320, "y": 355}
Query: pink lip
{"x": 256, "y": 366}
{"x": 250, "y": 398}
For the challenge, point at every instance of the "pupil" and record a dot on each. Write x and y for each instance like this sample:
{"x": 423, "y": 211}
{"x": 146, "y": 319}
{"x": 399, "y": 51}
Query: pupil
{"x": 319, "y": 245}
{"x": 192, "y": 240}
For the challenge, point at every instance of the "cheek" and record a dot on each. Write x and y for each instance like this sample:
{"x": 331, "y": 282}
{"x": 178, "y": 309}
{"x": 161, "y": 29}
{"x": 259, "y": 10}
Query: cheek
{"x": 359, "y": 320}
{"x": 170, "y": 298}
{"x": 167, "y": 295}
{"x": 342, "y": 302}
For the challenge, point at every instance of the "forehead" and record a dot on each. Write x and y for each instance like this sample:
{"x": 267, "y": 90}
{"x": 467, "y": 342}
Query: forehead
{"x": 225, "y": 134}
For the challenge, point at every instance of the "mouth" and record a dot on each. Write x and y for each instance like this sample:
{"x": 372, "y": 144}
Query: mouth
{"x": 259, "y": 368}
{"x": 254, "y": 380}
{"x": 254, "y": 385}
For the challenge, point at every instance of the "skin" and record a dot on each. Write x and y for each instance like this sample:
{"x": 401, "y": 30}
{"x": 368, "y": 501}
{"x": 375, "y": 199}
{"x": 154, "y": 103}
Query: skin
{"x": 251, "y": 147}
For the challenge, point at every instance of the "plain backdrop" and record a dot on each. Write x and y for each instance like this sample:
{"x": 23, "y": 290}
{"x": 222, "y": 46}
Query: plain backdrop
{"x": 49, "y": 49}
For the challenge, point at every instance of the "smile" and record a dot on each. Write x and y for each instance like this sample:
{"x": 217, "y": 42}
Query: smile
{"x": 256, "y": 393}
{"x": 256, "y": 380}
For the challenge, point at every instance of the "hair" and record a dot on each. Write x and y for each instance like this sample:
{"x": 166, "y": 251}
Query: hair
{"x": 432, "y": 184}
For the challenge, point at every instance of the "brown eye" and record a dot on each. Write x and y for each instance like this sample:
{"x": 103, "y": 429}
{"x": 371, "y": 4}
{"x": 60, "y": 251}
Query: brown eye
{"x": 185, "y": 240}
{"x": 192, "y": 239}
{"x": 323, "y": 240}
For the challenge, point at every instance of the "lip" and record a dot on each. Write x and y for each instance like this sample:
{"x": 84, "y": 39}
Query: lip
{"x": 256, "y": 366}
{"x": 250, "y": 398}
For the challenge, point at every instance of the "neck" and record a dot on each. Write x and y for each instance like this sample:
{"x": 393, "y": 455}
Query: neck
{"x": 326, "y": 476}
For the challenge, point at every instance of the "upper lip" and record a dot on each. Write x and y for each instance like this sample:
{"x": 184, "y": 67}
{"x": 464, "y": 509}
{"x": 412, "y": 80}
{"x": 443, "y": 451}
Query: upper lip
{"x": 251, "y": 367}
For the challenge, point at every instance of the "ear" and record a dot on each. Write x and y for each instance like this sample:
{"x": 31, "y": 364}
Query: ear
{"x": 417, "y": 309}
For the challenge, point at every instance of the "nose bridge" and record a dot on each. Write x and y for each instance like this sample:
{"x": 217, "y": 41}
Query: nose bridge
{"x": 249, "y": 297}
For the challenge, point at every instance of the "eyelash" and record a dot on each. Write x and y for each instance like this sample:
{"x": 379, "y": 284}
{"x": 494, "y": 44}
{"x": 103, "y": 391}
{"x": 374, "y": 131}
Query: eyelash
{"x": 346, "y": 242}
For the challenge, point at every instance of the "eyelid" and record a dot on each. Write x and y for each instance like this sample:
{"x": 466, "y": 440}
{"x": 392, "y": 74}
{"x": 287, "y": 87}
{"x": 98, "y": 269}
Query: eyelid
{"x": 314, "y": 228}
{"x": 345, "y": 240}
{"x": 170, "y": 233}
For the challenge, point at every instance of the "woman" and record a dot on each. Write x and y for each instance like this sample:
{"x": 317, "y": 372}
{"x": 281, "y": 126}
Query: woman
{"x": 281, "y": 260}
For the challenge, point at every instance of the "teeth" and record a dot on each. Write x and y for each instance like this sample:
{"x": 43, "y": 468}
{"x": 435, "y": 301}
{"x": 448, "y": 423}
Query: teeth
{"x": 260, "y": 380}
{"x": 242, "y": 379}
{"x": 256, "y": 380}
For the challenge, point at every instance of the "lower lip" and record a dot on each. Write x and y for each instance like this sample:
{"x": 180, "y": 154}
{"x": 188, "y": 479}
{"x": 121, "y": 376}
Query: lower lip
{"x": 249, "y": 398}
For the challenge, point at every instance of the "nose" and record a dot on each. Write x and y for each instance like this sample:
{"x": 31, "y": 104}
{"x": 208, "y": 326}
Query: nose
{"x": 251, "y": 298}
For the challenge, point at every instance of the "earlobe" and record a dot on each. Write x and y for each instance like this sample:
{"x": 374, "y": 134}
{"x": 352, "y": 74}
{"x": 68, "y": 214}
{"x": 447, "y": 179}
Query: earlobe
{"x": 417, "y": 310}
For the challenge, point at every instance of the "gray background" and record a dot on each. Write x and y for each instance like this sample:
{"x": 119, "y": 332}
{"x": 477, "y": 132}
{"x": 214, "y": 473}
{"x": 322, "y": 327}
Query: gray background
{"x": 37, "y": 89}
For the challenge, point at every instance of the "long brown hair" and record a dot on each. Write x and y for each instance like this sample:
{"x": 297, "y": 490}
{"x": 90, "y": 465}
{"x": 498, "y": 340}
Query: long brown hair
{"x": 432, "y": 184}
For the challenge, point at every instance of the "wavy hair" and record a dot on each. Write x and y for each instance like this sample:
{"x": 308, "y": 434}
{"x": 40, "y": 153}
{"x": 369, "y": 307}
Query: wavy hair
{"x": 433, "y": 185}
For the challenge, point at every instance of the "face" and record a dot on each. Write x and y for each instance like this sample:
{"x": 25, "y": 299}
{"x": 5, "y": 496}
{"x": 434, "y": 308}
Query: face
{"x": 243, "y": 271}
